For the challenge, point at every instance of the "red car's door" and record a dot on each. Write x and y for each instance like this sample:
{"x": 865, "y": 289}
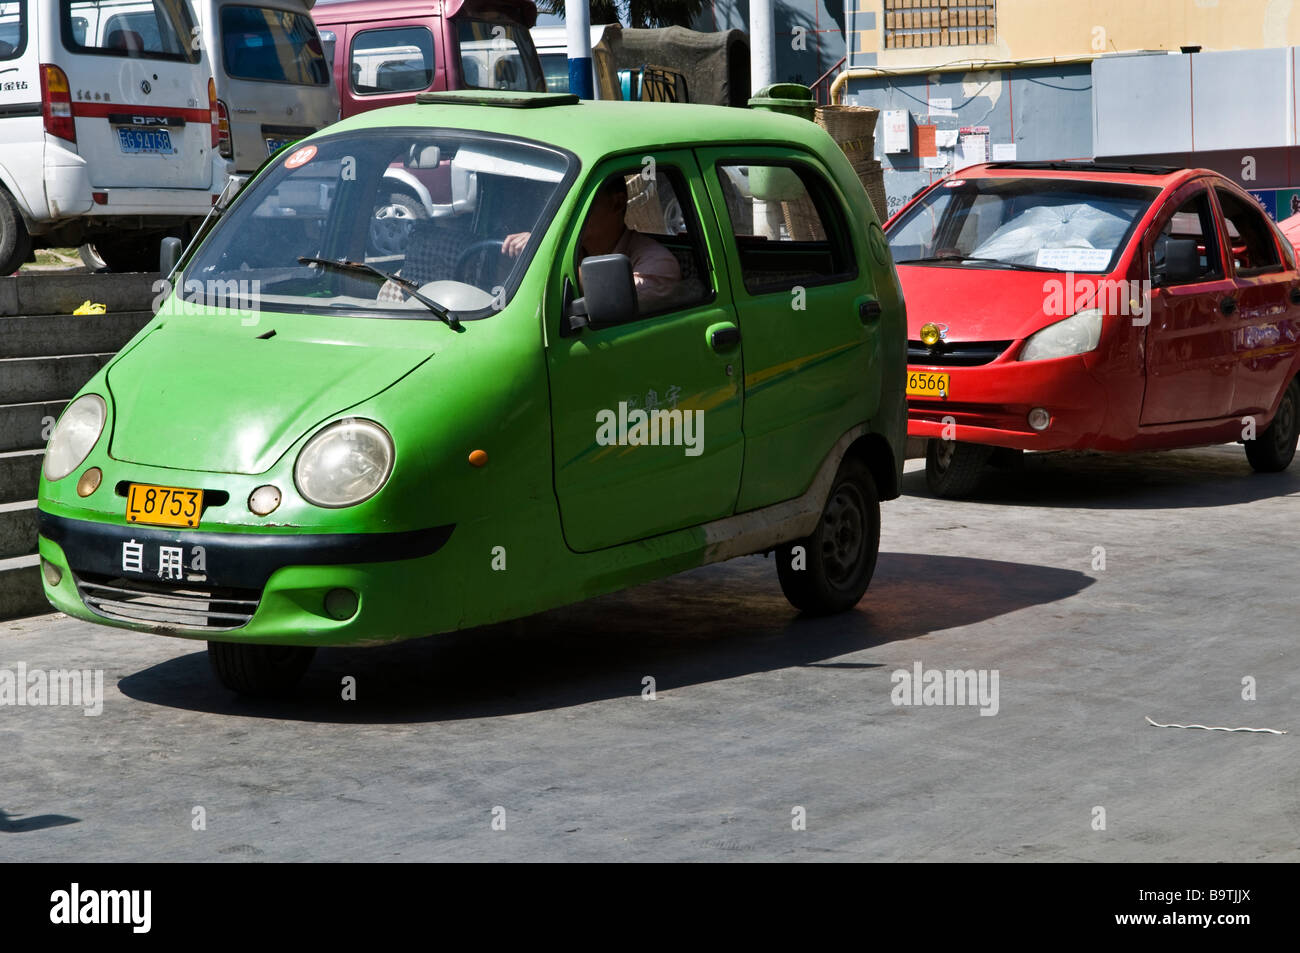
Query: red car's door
{"x": 1189, "y": 362}
{"x": 1264, "y": 323}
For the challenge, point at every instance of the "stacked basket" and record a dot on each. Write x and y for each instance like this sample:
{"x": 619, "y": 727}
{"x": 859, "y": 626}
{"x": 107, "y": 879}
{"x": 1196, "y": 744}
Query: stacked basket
{"x": 854, "y": 130}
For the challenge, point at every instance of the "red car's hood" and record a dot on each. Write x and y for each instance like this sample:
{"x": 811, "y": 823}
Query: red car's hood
{"x": 990, "y": 304}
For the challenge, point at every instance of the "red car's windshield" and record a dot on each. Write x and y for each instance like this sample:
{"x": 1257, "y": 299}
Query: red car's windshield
{"x": 1048, "y": 224}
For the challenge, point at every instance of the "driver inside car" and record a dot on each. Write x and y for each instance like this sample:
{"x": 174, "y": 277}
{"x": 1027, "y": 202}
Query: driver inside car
{"x": 655, "y": 270}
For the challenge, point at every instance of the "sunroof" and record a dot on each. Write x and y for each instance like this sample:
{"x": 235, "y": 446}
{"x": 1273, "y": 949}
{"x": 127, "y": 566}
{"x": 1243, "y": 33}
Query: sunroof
{"x": 506, "y": 98}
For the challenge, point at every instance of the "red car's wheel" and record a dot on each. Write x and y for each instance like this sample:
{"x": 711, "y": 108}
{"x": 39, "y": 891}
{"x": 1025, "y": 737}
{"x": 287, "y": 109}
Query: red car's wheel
{"x": 1273, "y": 450}
{"x": 952, "y": 468}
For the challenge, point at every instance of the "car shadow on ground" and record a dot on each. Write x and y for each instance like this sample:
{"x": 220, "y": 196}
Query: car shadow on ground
{"x": 22, "y": 824}
{"x": 714, "y": 623}
{"x": 1172, "y": 479}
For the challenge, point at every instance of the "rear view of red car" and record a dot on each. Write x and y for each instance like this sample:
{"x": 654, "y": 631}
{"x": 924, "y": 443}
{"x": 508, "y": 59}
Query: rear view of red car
{"x": 1075, "y": 305}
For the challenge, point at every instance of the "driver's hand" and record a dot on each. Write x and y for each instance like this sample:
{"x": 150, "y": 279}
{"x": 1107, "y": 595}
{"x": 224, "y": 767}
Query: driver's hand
{"x": 516, "y": 243}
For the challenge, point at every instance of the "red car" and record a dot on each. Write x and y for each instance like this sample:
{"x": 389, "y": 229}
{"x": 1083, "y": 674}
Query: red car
{"x": 1076, "y": 305}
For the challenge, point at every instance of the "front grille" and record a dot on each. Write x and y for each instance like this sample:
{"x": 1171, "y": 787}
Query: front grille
{"x": 956, "y": 353}
{"x": 210, "y": 609}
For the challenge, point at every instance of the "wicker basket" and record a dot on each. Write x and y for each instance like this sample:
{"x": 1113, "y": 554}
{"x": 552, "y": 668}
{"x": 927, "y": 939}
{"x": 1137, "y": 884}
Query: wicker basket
{"x": 848, "y": 124}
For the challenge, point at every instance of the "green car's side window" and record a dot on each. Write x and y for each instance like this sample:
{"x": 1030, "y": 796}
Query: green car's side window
{"x": 787, "y": 230}
{"x": 646, "y": 212}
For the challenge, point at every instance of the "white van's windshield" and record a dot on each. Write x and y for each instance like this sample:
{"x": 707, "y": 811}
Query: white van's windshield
{"x": 148, "y": 29}
{"x": 275, "y": 46}
{"x": 454, "y": 217}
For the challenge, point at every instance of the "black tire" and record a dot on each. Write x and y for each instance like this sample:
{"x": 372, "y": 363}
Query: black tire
{"x": 952, "y": 468}
{"x": 264, "y": 671}
{"x": 839, "y": 558}
{"x": 134, "y": 253}
{"x": 15, "y": 242}
{"x": 391, "y": 224}
{"x": 1273, "y": 450}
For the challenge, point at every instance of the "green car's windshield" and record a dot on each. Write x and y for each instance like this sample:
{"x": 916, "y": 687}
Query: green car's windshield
{"x": 432, "y": 206}
{"x": 1035, "y": 223}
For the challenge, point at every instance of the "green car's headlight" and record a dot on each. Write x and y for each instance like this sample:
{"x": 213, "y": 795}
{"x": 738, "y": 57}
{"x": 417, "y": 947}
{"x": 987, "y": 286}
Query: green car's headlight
{"x": 344, "y": 464}
{"x": 75, "y": 435}
{"x": 1075, "y": 335}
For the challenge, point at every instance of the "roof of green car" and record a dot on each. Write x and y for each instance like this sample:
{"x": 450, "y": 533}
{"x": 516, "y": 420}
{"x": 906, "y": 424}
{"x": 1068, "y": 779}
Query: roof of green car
{"x": 592, "y": 129}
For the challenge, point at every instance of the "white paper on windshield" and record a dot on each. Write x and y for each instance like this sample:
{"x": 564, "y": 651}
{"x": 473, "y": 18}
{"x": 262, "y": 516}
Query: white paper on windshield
{"x": 1073, "y": 259}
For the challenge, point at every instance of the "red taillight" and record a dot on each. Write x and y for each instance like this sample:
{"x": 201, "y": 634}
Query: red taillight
{"x": 213, "y": 115}
{"x": 56, "y": 103}
{"x": 223, "y": 130}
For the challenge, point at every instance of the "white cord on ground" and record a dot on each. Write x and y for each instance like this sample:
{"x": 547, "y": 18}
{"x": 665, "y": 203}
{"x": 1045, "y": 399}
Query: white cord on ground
{"x": 1271, "y": 731}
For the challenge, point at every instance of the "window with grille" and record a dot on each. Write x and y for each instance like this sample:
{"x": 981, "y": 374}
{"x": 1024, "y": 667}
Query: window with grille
{"x": 920, "y": 23}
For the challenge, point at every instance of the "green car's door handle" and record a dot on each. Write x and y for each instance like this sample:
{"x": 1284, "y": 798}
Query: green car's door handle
{"x": 724, "y": 337}
{"x": 868, "y": 311}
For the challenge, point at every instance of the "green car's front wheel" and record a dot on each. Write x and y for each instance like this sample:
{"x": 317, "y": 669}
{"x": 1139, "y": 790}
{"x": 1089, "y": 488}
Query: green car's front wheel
{"x": 830, "y": 570}
{"x": 259, "y": 670}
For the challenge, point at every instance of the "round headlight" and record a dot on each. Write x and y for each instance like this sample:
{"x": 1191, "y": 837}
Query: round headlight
{"x": 344, "y": 464}
{"x": 74, "y": 436}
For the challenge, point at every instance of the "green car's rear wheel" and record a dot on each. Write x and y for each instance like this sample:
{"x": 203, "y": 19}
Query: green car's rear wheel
{"x": 836, "y": 562}
{"x": 259, "y": 670}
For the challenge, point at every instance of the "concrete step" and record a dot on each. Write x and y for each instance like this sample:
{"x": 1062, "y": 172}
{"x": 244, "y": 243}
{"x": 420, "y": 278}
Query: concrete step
{"x": 69, "y": 334}
{"x": 27, "y": 379}
{"x": 28, "y": 426}
{"x": 20, "y": 588}
{"x": 63, "y": 294}
{"x": 20, "y": 475}
{"x": 17, "y": 529}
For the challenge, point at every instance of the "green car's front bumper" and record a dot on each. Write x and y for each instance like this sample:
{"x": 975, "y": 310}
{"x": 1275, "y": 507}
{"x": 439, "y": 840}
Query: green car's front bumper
{"x": 301, "y": 589}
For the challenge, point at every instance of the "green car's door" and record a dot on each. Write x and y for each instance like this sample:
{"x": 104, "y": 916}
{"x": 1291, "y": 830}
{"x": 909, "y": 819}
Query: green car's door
{"x": 809, "y": 316}
{"x": 678, "y": 364}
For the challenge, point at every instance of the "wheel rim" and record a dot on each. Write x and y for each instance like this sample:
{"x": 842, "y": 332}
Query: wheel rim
{"x": 1284, "y": 423}
{"x": 390, "y": 228}
{"x": 943, "y": 454}
{"x": 843, "y": 535}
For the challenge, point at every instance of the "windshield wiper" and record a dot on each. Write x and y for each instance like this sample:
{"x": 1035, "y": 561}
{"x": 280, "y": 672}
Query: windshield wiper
{"x": 991, "y": 261}
{"x": 407, "y": 284}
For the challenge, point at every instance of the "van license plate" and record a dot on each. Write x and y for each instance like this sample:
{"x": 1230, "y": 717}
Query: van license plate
{"x": 273, "y": 144}
{"x": 155, "y": 141}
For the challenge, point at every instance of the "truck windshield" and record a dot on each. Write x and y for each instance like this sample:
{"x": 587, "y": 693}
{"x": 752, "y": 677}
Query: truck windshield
{"x": 498, "y": 54}
{"x": 1040, "y": 223}
{"x": 272, "y": 46}
{"x": 147, "y": 29}
{"x": 434, "y": 208}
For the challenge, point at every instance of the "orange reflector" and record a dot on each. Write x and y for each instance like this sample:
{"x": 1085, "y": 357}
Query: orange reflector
{"x": 478, "y": 458}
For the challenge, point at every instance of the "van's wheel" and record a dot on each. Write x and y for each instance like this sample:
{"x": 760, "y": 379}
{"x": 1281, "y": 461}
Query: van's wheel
{"x": 259, "y": 670}
{"x": 1272, "y": 450}
{"x": 15, "y": 241}
{"x": 90, "y": 258}
{"x": 953, "y": 468}
{"x": 829, "y": 571}
{"x": 132, "y": 254}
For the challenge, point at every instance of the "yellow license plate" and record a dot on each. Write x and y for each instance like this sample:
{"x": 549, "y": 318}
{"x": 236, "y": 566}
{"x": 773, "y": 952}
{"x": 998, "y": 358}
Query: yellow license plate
{"x": 163, "y": 505}
{"x": 925, "y": 384}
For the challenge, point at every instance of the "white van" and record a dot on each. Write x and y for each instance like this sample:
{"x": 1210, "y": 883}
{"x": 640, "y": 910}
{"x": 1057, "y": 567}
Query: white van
{"x": 273, "y": 79}
{"x": 108, "y": 128}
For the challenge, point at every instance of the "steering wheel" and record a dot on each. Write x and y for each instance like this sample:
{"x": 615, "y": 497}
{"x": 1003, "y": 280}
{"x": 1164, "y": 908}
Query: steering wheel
{"x": 475, "y": 248}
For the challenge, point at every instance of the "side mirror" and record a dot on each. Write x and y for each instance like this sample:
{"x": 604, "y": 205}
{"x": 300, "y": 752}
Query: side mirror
{"x": 168, "y": 255}
{"x": 1182, "y": 262}
{"x": 609, "y": 293}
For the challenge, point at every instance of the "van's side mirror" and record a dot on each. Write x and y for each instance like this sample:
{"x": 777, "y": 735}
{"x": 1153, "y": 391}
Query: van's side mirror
{"x": 609, "y": 293}
{"x": 168, "y": 255}
{"x": 1182, "y": 262}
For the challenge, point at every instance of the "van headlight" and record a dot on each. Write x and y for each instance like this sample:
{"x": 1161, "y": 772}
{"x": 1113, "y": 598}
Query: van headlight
{"x": 346, "y": 463}
{"x": 74, "y": 436}
{"x": 1075, "y": 335}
